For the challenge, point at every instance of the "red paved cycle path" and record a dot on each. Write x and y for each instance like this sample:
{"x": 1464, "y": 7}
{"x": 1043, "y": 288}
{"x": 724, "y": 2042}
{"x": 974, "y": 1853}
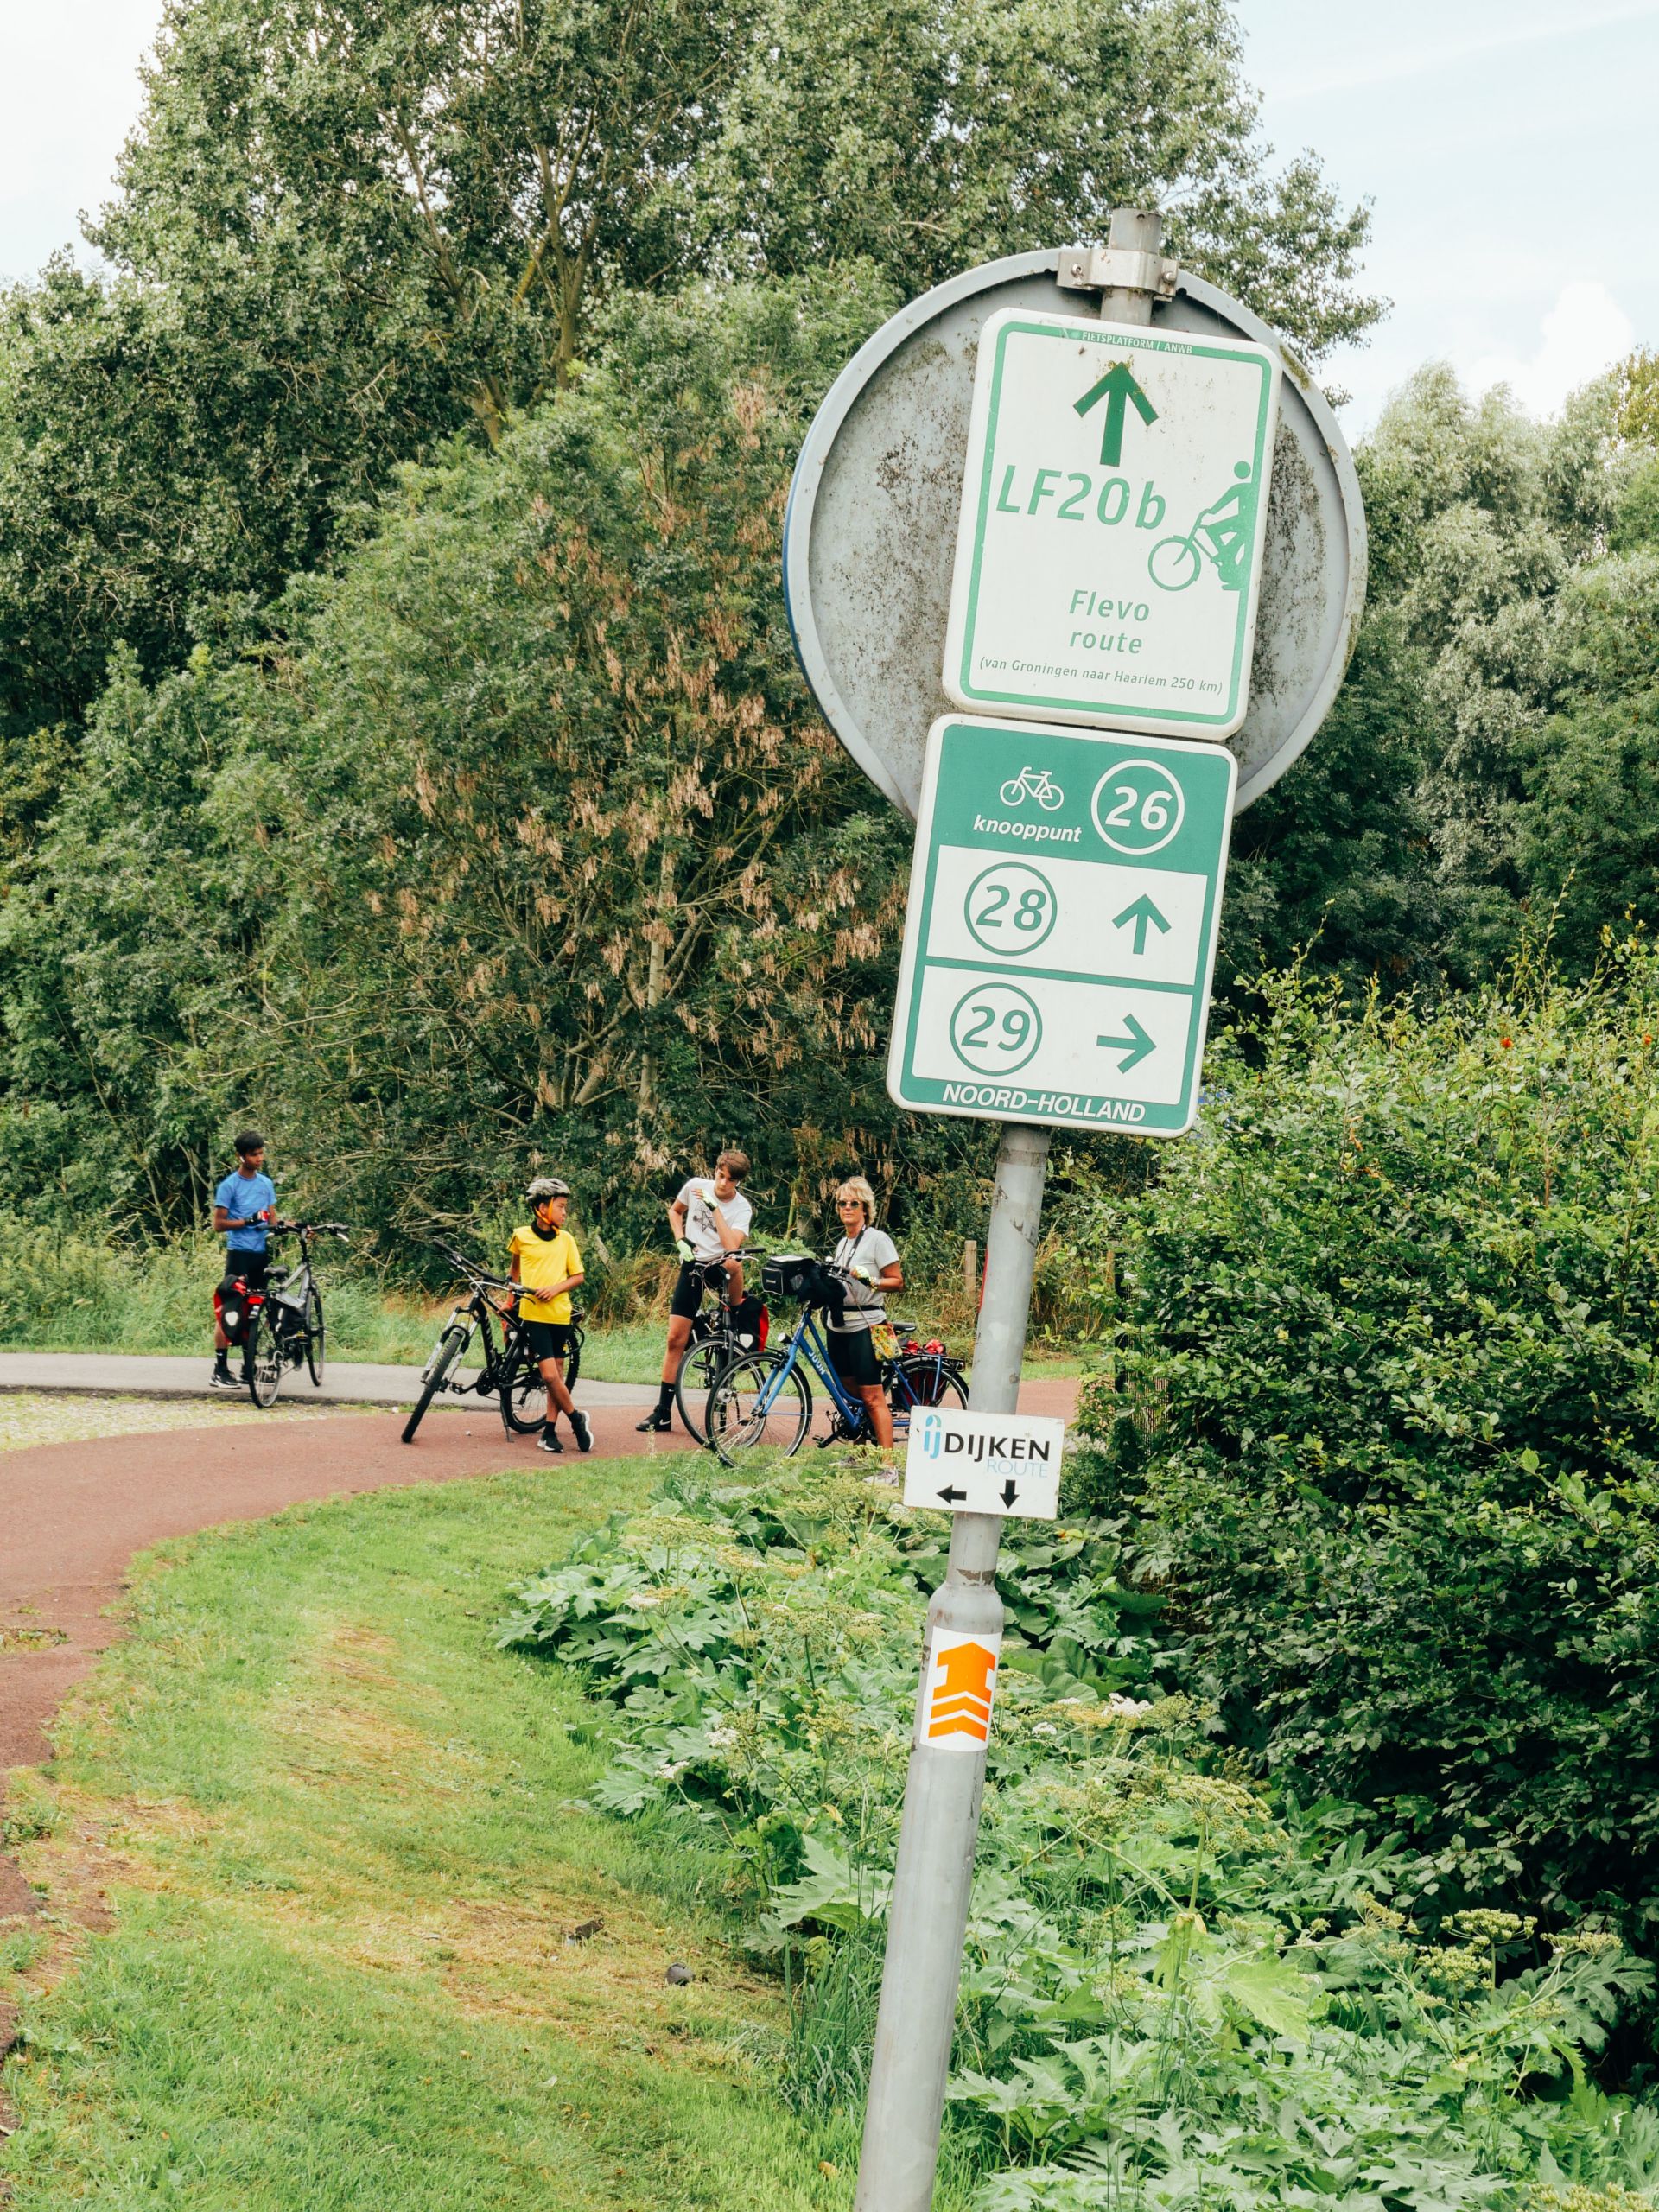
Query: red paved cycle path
{"x": 73, "y": 1515}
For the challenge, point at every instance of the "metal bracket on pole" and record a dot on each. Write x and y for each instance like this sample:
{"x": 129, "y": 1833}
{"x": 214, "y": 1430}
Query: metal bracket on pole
{"x": 1129, "y": 271}
{"x": 932, "y": 1878}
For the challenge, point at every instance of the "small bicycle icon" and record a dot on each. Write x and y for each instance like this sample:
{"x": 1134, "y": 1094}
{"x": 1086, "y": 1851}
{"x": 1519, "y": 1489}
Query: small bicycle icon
{"x": 1222, "y": 535}
{"x": 1033, "y": 782}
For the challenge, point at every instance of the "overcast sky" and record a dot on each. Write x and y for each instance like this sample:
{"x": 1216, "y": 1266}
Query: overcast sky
{"x": 1506, "y": 145}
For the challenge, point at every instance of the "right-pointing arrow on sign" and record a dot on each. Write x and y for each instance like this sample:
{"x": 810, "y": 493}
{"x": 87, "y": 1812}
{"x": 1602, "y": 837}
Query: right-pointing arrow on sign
{"x": 1133, "y": 1047}
{"x": 1145, "y": 916}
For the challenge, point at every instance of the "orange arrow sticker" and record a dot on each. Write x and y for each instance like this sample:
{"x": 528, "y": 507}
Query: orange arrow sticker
{"x": 958, "y": 1687}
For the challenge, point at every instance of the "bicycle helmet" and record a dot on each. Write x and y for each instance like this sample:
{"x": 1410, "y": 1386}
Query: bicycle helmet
{"x": 546, "y": 1186}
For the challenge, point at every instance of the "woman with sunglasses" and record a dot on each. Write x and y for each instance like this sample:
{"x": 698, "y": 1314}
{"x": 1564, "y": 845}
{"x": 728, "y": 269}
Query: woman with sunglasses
{"x": 869, "y": 1258}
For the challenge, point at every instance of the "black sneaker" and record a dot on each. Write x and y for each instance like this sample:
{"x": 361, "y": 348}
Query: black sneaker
{"x": 655, "y": 1424}
{"x": 222, "y": 1379}
{"x": 547, "y": 1442}
{"x": 581, "y": 1430}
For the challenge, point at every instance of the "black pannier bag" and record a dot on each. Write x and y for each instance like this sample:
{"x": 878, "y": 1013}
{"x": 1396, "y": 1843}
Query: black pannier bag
{"x": 232, "y": 1304}
{"x": 799, "y": 1276}
{"x": 750, "y": 1324}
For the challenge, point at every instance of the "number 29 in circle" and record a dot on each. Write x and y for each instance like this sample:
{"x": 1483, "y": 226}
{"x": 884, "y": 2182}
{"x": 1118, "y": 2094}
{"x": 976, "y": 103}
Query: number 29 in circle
{"x": 996, "y": 1029}
{"x": 1138, "y": 806}
{"x": 1011, "y": 908}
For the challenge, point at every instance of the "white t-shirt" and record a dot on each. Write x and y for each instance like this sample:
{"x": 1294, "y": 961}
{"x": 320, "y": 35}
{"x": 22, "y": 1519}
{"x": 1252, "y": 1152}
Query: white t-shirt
{"x": 874, "y": 1249}
{"x": 700, "y": 1232}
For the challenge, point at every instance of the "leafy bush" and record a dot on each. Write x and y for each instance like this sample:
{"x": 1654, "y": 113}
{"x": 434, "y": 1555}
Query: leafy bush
{"x": 1385, "y": 1424}
{"x": 1173, "y": 1995}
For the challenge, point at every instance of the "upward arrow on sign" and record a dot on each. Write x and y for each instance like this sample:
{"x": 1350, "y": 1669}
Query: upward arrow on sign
{"x": 1143, "y": 914}
{"x": 1117, "y": 388}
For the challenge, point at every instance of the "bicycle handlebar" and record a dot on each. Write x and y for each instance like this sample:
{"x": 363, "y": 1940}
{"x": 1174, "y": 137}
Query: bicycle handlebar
{"x": 479, "y": 1277}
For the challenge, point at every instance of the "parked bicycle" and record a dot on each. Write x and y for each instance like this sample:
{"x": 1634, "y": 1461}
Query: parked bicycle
{"x": 765, "y": 1398}
{"x": 720, "y": 1333}
{"x": 283, "y": 1324}
{"x": 508, "y": 1372}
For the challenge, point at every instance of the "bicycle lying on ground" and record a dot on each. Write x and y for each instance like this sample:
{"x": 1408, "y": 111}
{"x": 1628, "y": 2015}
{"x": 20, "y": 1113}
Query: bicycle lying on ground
{"x": 509, "y": 1373}
{"x": 284, "y": 1323}
{"x": 718, "y": 1337}
{"x": 764, "y": 1399}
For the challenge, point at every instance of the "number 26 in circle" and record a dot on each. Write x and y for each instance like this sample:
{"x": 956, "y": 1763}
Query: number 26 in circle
{"x": 1138, "y": 806}
{"x": 995, "y": 1028}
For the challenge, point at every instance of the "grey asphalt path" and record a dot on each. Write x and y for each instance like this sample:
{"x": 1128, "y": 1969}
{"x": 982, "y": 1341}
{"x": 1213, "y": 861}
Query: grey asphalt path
{"x": 344, "y": 1383}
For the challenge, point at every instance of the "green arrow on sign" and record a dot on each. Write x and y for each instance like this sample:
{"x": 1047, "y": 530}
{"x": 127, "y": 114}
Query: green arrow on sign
{"x": 1133, "y": 1047}
{"x": 1117, "y": 388}
{"x": 1143, "y": 914}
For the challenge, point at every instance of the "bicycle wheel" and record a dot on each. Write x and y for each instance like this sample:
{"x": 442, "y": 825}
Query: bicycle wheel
{"x": 1173, "y": 563}
{"x": 931, "y": 1386}
{"x": 439, "y": 1368}
{"x": 523, "y": 1394}
{"x": 700, "y": 1369}
{"x": 573, "y": 1364}
{"x": 763, "y": 1402}
{"x": 263, "y": 1362}
{"x": 315, "y": 1334}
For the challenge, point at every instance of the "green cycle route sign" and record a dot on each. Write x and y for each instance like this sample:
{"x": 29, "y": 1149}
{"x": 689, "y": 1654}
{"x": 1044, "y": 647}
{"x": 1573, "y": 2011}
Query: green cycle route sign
{"x": 1061, "y": 932}
{"x": 1115, "y": 499}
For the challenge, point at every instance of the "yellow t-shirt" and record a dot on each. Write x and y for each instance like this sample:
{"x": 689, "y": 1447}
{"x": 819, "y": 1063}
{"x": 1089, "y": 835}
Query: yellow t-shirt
{"x": 542, "y": 1260}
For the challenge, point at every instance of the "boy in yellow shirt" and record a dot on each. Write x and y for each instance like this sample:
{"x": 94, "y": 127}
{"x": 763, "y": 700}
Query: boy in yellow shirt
{"x": 546, "y": 1262}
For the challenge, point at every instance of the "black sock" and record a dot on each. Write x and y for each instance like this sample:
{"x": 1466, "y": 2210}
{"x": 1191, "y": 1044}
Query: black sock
{"x": 221, "y": 1363}
{"x": 665, "y": 1402}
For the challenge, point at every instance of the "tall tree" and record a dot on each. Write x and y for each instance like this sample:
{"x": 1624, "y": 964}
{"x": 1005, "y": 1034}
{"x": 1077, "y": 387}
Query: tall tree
{"x": 348, "y": 230}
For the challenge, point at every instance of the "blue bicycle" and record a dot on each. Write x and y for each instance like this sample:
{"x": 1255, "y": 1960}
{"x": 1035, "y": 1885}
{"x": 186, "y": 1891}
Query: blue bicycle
{"x": 764, "y": 1399}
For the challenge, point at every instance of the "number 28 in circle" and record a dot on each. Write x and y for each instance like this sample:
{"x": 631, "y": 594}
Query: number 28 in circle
{"x": 995, "y": 1028}
{"x": 1138, "y": 806}
{"x": 1011, "y": 908}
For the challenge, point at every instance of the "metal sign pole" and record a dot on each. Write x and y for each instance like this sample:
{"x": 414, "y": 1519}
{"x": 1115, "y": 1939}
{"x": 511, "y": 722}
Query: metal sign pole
{"x": 934, "y": 1874}
{"x": 933, "y": 1877}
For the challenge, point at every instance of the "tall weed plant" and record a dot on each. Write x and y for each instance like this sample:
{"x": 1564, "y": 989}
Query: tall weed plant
{"x": 1383, "y": 1421}
{"x": 64, "y": 1291}
{"x": 1175, "y": 1993}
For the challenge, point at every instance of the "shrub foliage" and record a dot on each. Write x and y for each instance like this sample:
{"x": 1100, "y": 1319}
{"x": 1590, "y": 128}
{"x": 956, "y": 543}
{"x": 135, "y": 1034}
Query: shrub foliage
{"x": 1383, "y": 1418}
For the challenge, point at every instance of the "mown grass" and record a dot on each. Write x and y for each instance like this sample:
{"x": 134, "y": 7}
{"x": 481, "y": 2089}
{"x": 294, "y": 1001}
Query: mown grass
{"x": 337, "y": 1833}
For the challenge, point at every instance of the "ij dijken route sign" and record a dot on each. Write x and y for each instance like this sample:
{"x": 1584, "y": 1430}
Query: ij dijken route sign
{"x": 1110, "y": 549}
{"x": 1061, "y": 932}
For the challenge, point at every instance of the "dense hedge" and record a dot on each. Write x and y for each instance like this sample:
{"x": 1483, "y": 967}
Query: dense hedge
{"x": 1383, "y": 1419}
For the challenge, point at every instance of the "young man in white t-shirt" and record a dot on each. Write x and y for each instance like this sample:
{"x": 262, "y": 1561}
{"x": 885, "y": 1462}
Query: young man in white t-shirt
{"x": 710, "y": 1218}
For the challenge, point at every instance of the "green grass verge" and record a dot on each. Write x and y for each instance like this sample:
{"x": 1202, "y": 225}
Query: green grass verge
{"x": 337, "y": 1832}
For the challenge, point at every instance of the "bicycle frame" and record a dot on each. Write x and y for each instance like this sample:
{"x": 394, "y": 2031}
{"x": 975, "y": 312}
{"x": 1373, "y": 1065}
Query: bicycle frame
{"x": 806, "y": 1341}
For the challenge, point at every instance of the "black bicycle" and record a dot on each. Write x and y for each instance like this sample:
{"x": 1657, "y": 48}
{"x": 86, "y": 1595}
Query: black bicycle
{"x": 284, "y": 1321}
{"x": 508, "y": 1371}
{"x": 720, "y": 1333}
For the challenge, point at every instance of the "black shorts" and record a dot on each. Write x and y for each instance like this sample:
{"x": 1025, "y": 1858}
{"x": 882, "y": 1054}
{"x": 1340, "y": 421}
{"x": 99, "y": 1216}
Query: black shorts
{"x": 250, "y": 1267}
{"x": 696, "y": 1277}
{"x": 852, "y": 1356}
{"x": 548, "y": 1340}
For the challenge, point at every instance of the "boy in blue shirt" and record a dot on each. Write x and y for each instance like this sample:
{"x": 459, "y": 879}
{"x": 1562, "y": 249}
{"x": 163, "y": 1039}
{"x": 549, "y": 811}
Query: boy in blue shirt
{"x": 243, "y": 1206}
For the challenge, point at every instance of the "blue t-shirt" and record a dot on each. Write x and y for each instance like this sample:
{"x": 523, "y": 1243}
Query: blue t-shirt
{"x": 241, "y": 1195}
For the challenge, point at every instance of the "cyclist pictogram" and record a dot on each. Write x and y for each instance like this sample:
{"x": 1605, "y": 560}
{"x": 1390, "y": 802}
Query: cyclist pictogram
{"x": 1223, "y": 535}
{"x": 1033, "y": 782}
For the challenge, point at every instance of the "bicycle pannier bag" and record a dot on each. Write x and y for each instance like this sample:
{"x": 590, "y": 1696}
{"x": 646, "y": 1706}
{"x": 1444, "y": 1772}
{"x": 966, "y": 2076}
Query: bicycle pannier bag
{"x": 232, "y": 1306}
